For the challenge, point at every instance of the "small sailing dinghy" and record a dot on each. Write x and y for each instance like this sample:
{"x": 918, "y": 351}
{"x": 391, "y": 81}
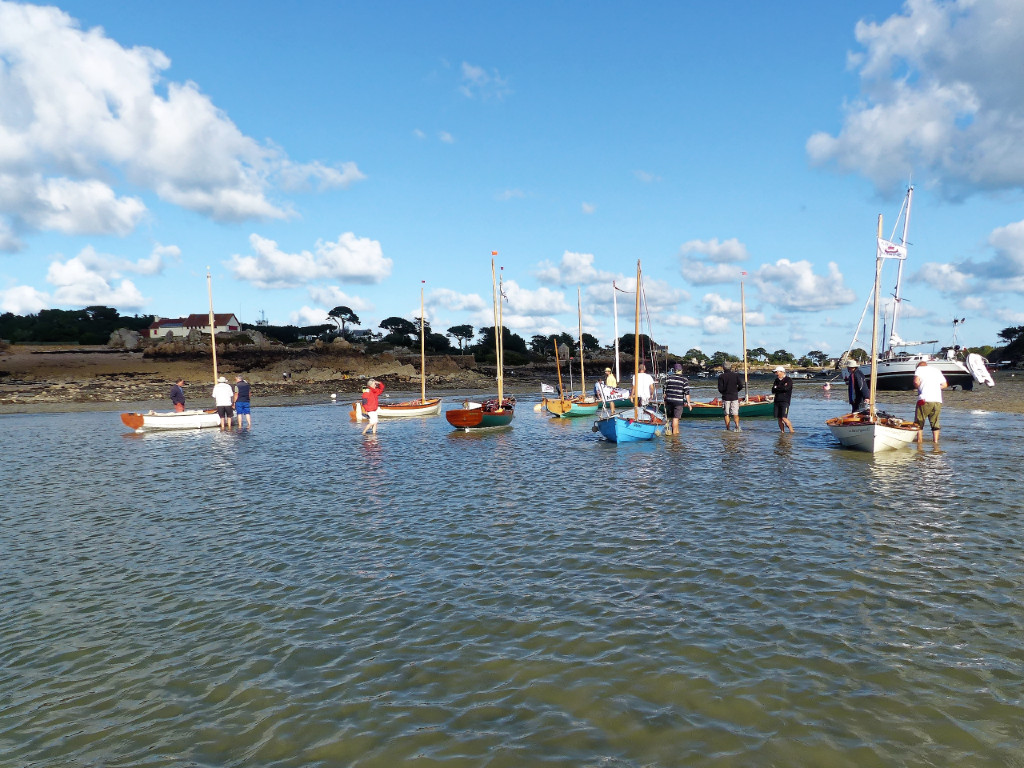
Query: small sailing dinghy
{"x": 498, "y": 411}
{"x": 639, "y": 423}
{"x": 425, "y": 406}
{"x": 192, "y": 419}
{"x": 582, "y": 404}
{"x": 874, "y": 431}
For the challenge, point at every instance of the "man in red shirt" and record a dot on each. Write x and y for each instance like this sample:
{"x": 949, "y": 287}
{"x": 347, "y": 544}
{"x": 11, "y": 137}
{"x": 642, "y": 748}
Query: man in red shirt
{"x": 371, "y": 394}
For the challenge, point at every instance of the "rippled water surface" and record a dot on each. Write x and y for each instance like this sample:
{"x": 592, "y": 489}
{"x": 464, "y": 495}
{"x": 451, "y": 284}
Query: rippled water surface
{"x": 300, "y": 595}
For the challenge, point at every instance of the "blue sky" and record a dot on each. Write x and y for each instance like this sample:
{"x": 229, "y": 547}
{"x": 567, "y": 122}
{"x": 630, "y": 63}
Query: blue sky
{"x": 339, "y": 153}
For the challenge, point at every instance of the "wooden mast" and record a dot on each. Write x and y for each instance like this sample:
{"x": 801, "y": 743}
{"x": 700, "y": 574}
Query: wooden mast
{"x": 579, "y": 313}
{"x": 636, "y": 348}
{"x": 558, "y": 367}
{"x": 874, "y": 327}
{"x": 423, "y": 352}
{"x": 213, "y": 330}
{"x": 496, "y": 295}
{"x": 743, "y": 323}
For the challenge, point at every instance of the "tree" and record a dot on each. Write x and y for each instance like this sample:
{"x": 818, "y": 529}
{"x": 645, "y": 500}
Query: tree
{"x": 859, "y": 355}
{"x": 512, "y": 342}
{"x": 817, "y": 357}
{"x": 720, "y": 357}
{"x": 781, "y": 356}
{"x": 696, "y": 356}
{"x": 760, "y": 354}
{"x": 1010, "y": 335}
{"x": 342, "y": 316}
{"x": 540, "y": 345}
{"x": 626, "y": 344}
{"x": 437, "y": 342}
{"x": 590, "y": 343}
{"x": 464, "y": 333}
{"x": 400, "y": 331}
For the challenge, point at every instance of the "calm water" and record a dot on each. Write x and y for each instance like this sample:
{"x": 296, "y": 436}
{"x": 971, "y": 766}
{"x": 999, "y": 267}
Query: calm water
{"x": 299, "y": 595}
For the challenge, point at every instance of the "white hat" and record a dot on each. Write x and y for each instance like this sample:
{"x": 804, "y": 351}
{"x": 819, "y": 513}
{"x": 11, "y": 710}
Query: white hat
{"x": 223, "y": 379}
{"x": 779, "y": 369}
{"x": 851, "y": 363}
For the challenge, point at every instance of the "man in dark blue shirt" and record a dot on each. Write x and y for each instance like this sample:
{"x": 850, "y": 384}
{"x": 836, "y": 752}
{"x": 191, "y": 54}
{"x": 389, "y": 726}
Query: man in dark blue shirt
{"x": 243, "y": 391}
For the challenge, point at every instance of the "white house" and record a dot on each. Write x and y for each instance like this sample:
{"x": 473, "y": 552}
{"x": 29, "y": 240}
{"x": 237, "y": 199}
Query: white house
{"x": 179, "y": 327}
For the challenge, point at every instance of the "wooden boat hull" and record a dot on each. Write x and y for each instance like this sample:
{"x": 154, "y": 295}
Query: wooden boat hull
{"x": 860, "y": 433}
{"x": 429, "y": 407}
{"x": 625, "y": 429}
{"x": 715, "y": 410}
{"x": 160, "y": 420}
{"x": 481, "y": 415}
{"x": 565, "y": 409}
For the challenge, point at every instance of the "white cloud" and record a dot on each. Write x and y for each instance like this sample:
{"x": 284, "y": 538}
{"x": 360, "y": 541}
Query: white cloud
{"x": 511, "y": 194}
{"x": 351, "y": 258}
{"x": 23, "y": 300}
{"x": 445, "y": 138}
{"x": 478, "y": 83}
{"x": 1010, "y": 316}
{"x": 573, "y": 269}
{"x": 588, "y": 208}
{"x": 456, "y": 302}
{"x": 715, "y": 325}
{"x": 539, "y": 302}
{"x": 793, "y": 285}
{"x": 309, "y": 316}
{"x": 727, "y": 252}
{"x": 83, "y": 114}
{"x": 718, "y": 305}
{"x": 88, "y": 279}
{"x": 680, "y": 321}
{"x": 646, "y": 177}
{"x": 332, "y": 296}
{"x": 304, "y": 176}
{"x": 941, "y": 96}
{"x": 943, "y": 277}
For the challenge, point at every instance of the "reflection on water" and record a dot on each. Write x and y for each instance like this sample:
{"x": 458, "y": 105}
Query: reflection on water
{"x": 303, "y": 595}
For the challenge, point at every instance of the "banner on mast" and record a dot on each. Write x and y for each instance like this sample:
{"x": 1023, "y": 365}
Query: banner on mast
{"x": 888, "y": 250}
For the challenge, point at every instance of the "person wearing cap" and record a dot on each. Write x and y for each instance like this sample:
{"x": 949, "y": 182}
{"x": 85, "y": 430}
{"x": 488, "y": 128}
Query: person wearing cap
{"x": 371, "y": 398}
{"x": 178, "y": 395}
{"x": 223, "y": 394}
{"x": 729, "y": 385}
{"x": 242, "y": 401}
{"x": 782, "y": 388}
{"x": 677, "y": 396}
{"x": 929, "y": 382}
{"x": 859, "y": 389}
{"x": 604, "y": 391}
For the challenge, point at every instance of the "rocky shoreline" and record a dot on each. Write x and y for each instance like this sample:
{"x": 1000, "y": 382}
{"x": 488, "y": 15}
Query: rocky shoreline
{"x": 41, "y": 379}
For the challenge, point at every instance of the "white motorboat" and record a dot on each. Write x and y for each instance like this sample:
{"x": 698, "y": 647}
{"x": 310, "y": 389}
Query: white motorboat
{"x": 154, "y": 420}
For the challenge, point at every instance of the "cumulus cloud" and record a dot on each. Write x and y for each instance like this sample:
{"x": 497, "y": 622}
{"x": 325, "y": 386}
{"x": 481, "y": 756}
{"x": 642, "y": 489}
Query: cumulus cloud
{"x": 23, "y": 300}
{"x": 1003, "y": 272}
{"x": 715, "y": 325}
{"x": 573, "y": 269}
{"x": 82, "y": 114}
{"x": 680, "y": 321}
{"x": 332, "y": 296}
{"x": 718, "y": 305}
{"x": 727, "y": 252}
{"x": 454, "y": 301}
{"x": 588, "y": 208}
{"x": 793, "y": 285}
{"x": 941, "y": 96}
{"x": 538, "y": 302}
{"x": 478, "y": 83}
{"x": 353, "y": 259}
{"x": 307, "y": 315}
{"x": 87, "y": 279}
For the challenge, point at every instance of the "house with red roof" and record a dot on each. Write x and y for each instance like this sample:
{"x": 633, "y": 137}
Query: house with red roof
{"x": 179, "y": 327}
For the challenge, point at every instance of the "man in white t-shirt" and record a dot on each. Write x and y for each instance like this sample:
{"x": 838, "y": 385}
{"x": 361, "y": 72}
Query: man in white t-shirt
{"x": 223, "y": 394}
{"x": 929, "y": 382}
{"x": 643, "y": 385}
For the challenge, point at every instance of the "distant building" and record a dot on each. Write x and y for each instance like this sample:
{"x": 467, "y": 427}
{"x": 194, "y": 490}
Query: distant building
{"x": 179, "y": 327}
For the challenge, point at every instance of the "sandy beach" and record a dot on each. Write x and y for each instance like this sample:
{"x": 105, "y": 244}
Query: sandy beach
{"x": 38, "y": 379}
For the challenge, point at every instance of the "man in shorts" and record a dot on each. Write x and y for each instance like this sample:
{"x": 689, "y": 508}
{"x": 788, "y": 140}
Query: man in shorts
{"x": 242, "y": 401}
{"x": 929, "y": 382}
{"x": 223, "y": 394}
{"x": 677, "y": 397}
{"x": 782, "y": 388}
{"x": 371, "y": 398}
{"x": 729, "y": 385}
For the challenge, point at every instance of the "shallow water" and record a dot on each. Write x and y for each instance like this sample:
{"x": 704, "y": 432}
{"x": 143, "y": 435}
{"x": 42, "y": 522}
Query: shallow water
{"x": 300, "y": 595}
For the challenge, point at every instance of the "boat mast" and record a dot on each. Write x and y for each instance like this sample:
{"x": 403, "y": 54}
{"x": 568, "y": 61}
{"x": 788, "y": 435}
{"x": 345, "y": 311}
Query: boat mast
{"x": 558, "y": 367}
{"x": 743, "y": 323}
{"x": 579, "y": 313}
{"x": 496, "y": 296}
{"x": 636, "y": 348}
{"x": 213, "y": 332}
{"x": 423, "y": 351}
{"x": 615, "y": 310}
{"x": 897, "y": 295}
{"x": 874, "y": 327}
